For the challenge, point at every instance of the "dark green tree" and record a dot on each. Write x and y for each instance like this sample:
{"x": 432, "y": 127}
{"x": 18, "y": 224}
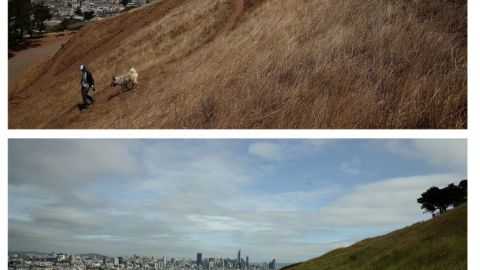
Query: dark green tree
{"x": 440, "y": 199}
{"x": 78, "y": 11}
{"x": 430, "y": 200}
{"x": 87, "y": 15}
{"x": 462, "y": 193}
{"x": 125, "y": 2}
{"x": 19, "y": 21}
{"x": 41, "y": 13}
{"x": 23, "y": 18}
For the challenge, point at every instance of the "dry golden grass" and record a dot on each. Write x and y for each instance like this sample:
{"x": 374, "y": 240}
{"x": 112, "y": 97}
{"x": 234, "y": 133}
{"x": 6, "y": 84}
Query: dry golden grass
{"x": 33, "y": 72}
{"x": 286, "y": 64}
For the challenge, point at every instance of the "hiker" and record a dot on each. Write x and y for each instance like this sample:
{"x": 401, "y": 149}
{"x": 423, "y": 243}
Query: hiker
{"x": 86, "y": 81}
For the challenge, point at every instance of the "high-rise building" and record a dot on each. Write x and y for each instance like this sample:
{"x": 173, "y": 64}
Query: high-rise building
{"x": 246, "y": 259}
{"x": 199, "y": 259}
{"x": 238, "y": 258}
{"x": 116, "y": 261}
{"x": 272, "y": 265}
{"x": 61, "y": 257}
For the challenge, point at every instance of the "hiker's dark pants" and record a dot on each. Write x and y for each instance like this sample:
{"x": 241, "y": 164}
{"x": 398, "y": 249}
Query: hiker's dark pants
{"x": 87, "y": 100}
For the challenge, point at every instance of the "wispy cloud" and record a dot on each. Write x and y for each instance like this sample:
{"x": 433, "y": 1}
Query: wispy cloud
{"x": 351, "y": 167}
{"x": 438, "y": 152}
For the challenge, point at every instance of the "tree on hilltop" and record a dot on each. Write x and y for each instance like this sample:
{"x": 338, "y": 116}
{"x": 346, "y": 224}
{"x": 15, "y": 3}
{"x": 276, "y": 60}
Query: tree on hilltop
{"x": 462, "y": 193}
{"x": 440, "y": 199}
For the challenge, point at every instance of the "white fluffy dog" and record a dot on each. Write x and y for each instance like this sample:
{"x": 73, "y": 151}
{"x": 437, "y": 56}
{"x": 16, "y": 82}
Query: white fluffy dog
{"x": 129, "y": 78}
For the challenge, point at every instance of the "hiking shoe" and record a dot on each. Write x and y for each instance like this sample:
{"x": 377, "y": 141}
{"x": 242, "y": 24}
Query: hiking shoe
{"x": 83, "y": 108}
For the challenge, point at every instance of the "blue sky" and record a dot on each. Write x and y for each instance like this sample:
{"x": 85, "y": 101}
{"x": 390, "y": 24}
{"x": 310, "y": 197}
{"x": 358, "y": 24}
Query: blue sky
{"x": 284, "y": 199}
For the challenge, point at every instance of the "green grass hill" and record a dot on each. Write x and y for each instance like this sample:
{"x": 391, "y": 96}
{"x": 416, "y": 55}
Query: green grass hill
{"x": 439, "y": 243}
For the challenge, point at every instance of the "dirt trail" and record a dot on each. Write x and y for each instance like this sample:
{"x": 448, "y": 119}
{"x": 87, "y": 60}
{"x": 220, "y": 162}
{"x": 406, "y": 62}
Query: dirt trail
{"x": 44, "y": 48}
{"x": 55, "y": 71}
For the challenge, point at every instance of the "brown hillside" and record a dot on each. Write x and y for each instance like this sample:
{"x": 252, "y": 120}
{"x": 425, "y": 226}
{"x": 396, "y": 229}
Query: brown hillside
{"x": 261, "y": 64}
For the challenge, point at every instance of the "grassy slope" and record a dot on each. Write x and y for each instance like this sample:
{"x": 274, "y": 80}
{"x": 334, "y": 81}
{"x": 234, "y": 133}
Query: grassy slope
{"x": 286, "y": 64}
{"x": 440, "y": 243}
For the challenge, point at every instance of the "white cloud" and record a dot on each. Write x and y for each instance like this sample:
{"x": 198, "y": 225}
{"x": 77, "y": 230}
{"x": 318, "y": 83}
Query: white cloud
{"x": 280, "y": 201}
{"x": 444, "y": 153}
{"x": 96, "y": 237}
{"x": 387, "y": 202}
{"x": 227, "y": 224}
{"x": 351, "y": 167}
{"x": 67, "y": 162}
{"x": 267, "y": 150}
{"x": 286, "y": 149}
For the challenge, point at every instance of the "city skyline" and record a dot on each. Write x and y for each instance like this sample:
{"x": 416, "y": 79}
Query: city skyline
{"x": 199, "y": 256}
{"x": 285, "y": 199}
{"x": 98, "y": 261}
{"x": 197, "y": 261}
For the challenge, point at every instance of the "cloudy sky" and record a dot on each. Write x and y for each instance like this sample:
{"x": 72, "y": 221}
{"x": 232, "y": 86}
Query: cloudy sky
{"x": 284, "y": 199}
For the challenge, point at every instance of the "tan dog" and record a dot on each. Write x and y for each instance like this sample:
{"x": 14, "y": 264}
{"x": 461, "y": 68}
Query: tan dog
{"x": 129, "y": 78}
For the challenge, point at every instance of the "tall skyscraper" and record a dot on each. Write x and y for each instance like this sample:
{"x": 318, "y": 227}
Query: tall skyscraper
{"x": 238, "y": 258}
{"x": 272, "y": 265}
{"x": 246, "y": 259}
{"x": 199, "y": 259}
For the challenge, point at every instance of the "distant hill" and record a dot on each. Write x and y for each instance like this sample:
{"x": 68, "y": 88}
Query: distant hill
{"x": 43, "y": 253}
{"x": 23, "y": 252}
{"x": 92, "y": 255}
{"x": 259, "y": 64}
{"x": 436, "y": 244}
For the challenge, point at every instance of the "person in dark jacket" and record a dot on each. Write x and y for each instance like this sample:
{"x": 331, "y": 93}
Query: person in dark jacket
{"x": 86, "y": 82}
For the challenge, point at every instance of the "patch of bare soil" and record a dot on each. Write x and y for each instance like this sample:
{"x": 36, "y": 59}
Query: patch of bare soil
{"x": 35, "y": 51}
